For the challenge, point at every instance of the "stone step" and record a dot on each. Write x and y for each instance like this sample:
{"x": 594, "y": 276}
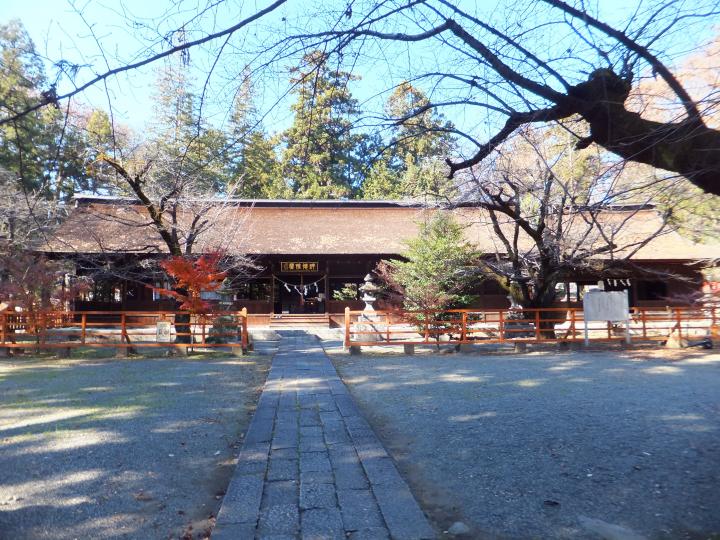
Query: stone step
{"x": 300, "y": 320}
{"x": 300, "y": 316}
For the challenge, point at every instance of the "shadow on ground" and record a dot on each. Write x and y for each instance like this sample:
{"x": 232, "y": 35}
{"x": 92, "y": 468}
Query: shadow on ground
{"x": 552, "y": 445}
{"x": 120, "y": 448}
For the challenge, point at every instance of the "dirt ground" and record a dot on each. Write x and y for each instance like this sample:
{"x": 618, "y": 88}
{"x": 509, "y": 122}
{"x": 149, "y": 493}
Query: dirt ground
{"x": 600, "y": 444}
{"x": 112, "y": 448}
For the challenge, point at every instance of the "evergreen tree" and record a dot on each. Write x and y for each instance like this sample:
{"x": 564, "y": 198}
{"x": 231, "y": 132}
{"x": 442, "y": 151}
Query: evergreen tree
{"x": 382, "y": 182}
{"x": 438, "y": 267}
{"x": 420, "y": 133}
{"x": 321, "y": 158}
{"x": 243, "y": 121}
{"x": 185, "y": 146}
{"x": 413, "y": 164}
{"x": 21, "y": 77}
{"x": 101, "y": 139}
{"x": 252, "y": 155}
{"x": 261, "y": 171}
{"x": 44, "y": 150}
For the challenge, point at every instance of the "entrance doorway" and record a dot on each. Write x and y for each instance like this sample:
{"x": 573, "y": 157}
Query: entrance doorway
{"x": 303, "y": 293}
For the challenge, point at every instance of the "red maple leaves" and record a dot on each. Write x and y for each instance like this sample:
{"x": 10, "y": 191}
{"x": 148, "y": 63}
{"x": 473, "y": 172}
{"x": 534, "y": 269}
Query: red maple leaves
{"x": 192, "y": 278}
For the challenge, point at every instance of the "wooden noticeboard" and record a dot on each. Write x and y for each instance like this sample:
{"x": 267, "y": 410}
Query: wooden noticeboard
{"x": 300, "y": 266}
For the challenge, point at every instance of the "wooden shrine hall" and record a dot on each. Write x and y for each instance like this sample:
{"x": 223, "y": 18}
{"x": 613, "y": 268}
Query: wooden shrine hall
{"x": 307, "y": 258}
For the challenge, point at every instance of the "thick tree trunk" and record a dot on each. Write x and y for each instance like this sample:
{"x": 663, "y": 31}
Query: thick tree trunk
{"x": 182, "y": 322}
{"x": 182, "y": 326}
{"x": 689, "y": 147}
{"x": 545, "y": 318}
{"x": 547, "y": 324}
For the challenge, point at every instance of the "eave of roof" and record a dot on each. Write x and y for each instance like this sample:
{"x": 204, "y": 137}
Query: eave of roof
{"x": 84, "y": 200}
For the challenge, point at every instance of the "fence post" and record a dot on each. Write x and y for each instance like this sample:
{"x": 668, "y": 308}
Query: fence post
{"x": 501, "y": 321}
{"x": 387, "y": 327}
{"x": 346, "y": 341}
{"x": 463, "y": 330}
{"x": 572, "y": 323}
{"x": 537, "y": 325}
{"x": 643, "y": 317}
{"x": 83, "y": 326}
{"x": 123, "y": 351}
{"x": 244, "y": 338}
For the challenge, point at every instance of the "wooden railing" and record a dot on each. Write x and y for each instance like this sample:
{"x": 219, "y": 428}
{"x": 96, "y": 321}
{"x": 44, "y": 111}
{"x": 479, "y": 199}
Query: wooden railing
{"x": 463, "y": 326}
{"x": 123, "y": 329}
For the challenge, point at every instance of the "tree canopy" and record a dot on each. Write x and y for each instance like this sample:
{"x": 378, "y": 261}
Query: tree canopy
{"x": 322, "y": 154}
{"x": 517, "y": 64}
{"x": 412, "y": 163}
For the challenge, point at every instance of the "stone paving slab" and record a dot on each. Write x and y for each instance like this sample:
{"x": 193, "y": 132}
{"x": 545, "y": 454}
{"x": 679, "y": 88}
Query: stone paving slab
{"x": 311, "y": 467}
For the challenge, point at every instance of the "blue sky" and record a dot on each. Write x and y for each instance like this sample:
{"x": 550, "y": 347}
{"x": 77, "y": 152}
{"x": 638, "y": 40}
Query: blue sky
{"x": 59, "y": 31}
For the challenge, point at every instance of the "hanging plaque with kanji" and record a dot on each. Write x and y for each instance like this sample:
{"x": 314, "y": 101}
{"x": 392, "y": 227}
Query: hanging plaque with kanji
{"x": 300, "y": 266}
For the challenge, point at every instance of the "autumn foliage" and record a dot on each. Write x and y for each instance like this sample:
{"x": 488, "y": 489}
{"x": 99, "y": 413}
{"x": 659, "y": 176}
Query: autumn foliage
{"x": 32, "y": 283}
{"x": 192, "y": 278}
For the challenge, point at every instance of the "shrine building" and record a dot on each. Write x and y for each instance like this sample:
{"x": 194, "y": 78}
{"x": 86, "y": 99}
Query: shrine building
{"x": 309, "y": 257}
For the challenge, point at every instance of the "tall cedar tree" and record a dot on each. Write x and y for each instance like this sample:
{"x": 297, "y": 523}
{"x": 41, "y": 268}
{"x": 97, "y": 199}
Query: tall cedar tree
{"x": 252, "y": 159}
{"x": 413, "y": 164}
{"x": 181, "y": 139}
{"x": 322, "y": 158}
{"x": 45, "y": 150}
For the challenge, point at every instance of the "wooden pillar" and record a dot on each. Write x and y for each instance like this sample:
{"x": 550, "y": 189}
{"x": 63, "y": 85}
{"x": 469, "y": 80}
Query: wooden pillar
{"x": 302, "y": 294}
{"x": 327, "y": 286}
{"x": 272, "y": 291}
{"x": 65, "y": 301}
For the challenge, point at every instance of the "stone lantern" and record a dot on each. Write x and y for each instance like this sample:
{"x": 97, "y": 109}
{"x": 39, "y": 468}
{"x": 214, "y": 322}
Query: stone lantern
{"x": 369, "y": 318}
{"x": 370, "y": 291}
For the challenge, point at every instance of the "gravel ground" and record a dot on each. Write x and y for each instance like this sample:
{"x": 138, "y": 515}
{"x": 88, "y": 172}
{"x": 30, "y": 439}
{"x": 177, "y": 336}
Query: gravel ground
{"x": 120, "y": 448}
{"x": 552, "y": 445}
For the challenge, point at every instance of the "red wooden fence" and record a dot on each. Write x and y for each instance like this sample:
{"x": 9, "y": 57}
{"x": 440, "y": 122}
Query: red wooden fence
{"x": 67, "y": 329}
{"x": 463, "y": 326}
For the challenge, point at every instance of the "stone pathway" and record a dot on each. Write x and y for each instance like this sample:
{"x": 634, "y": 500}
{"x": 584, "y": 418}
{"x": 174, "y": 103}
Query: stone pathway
{"x": 311, "y": 466}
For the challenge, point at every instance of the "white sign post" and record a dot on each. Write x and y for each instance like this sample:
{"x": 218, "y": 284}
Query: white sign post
{"x": 164, "y": 332}
{"x": 606, "y": 306}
